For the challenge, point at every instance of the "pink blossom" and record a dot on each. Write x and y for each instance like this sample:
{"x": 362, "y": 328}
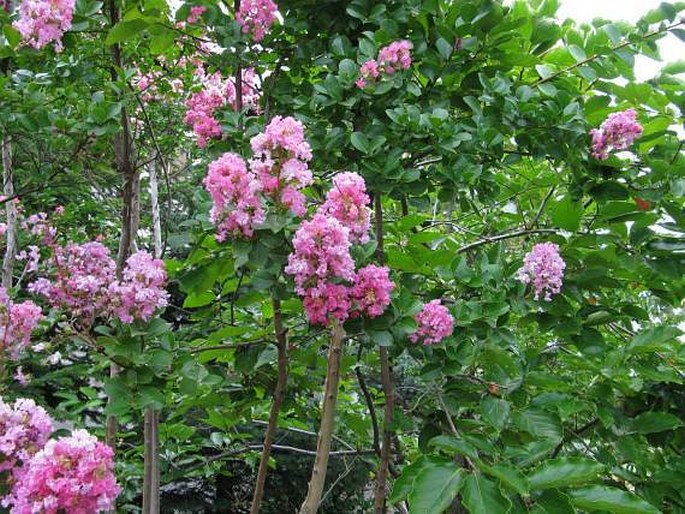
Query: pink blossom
{"x": 141, "y": 291}
{"x": 256, "y": 17}
{"x": 196, "y": 12}
{"x": 280, "y": 162}
{"x": 348, "y": 202}
{"x": 17, "y": 321}
{"x": 43, "y": 21}
{"x": 321, "y": 252}
{"x": 215, "y": 94}
{"x": 83, "y": 274}
{"x": 72, "y": 474}
{"x": 371, "y": 290}
{"x": 617, "y": 132}
{"x": 394, "y": 57}
{"x": 544, "y": 268}
{"x": 237, "y": 206}
{"x": 326, "y": 300}
{"x": 24, "y": 430}
{"x": 434, "y": 324}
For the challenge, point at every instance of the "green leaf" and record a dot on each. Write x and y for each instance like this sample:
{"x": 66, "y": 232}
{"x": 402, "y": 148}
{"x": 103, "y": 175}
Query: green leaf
{"x": 482, "y": 496}
{"x": 435, "y": 487}
{"x": 360, "y": 142}
{"x": 509, "y": 476}
{"x": 553, "y": 501}
{"x": 611, "y": 499}
{"x": 382, "y": 337}
{"x": 11, "y": 34}
{"x": 405, "y": 482}
{"x": 563, "y": 472}
{"x": 162, "y": 41}
{"x": 654, "y": 422}
{"x": 495, "y": 411}
{"x": 126, "y": 29}
{"x": 653, "y": 339}
{"x": 567, "y": 214}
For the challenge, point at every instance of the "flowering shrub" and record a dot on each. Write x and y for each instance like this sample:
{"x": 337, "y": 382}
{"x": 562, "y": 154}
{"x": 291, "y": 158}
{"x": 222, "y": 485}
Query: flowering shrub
{"x": 435, "y": 323}
{"x": 72, "y": 474}
{"x": 43, "y": 21}
{"x": 24, "y": 430}
{"x": 392, "y": 58}
{"x": 256, "y": 17}
{"x": 617, "y": 132}
{"x": 196, "y": 13}
{"x": 237, "y": 205}
{"x": 543, "y": 267}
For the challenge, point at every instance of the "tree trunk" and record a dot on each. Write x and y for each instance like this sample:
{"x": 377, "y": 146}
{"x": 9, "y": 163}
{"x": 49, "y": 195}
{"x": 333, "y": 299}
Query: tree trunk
{"x": 11, "y": 213}
{"x": 279, "y": 393}
{"x": 151, "y": 424}
{"x": 381, "y": 492}
{"x": 323, "y": 446}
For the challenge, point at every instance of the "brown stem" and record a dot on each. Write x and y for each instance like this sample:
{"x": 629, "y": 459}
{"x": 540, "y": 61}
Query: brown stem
{"x": 11, "y": 212}
{"x": 151, "y": 462}
{"x": 369, "y": 404}
{"x": 381, "y": 492}
{"x": 279, "y": 393}
{"x": 323, "y": 446}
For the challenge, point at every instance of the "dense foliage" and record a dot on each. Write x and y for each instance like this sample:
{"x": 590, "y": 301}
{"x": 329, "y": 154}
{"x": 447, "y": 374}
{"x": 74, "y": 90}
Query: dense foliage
{"x": 447, "y": 236}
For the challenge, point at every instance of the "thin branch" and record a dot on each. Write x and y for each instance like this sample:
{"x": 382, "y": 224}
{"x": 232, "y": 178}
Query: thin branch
{"x": 508, "y": 235}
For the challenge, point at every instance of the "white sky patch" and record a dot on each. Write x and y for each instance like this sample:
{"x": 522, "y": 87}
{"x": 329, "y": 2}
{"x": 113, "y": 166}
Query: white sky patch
{"x": 671, "y": 48}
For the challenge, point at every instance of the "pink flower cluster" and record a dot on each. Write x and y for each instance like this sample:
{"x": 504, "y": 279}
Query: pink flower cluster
{"x": 43, "y": 21}
{"x": 85, "y": 284}
{"x": 24, "y": 430}
{"x": 321, "y": 263}
{"x": 347, "y": 202}
{"x": 215, "y": 94}
{"x": 394, "y": 57}
{"x": 73, "y": 474}
{"x": 235, "y": 191}
{"x": 617, "y": 132}
{"x": 141, "y": 291}
{"x": 434, "y": 324}
{"x": 196, "y": 13}
{"x": 84, "y": 273}
{"x": 544, "y": 268}
{"x": 17, "y": 321}
{"x": 281, "y": 157}
{"x": 256, "y": 17}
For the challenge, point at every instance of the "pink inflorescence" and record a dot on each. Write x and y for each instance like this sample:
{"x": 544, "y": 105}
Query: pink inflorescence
{"x": 348, "y": 202}
{"x": 394, "y": 57}
{"x": 323, "y": 267}
{"x": 256, "y": 17}
{"x": 215, "y": 94}
{"x": 281, "y": 157}
{"x": 43, "y": 21}
{"x": 72, "y": 474}
{"x": 321, "y": 252}
{"x": 24, "y": 430}
{"x": 17, "y": 321}
{"x": 235, "y": 191}
{"x": 371, "y": 291}
{"x": 84, "y": 273}
{"x": 141, "y": 291}
{"x": 617, "y": 132}
{"x": 435, "y": 323}
{"x": 196, "y": 13}
{"x": 544, "y": 268}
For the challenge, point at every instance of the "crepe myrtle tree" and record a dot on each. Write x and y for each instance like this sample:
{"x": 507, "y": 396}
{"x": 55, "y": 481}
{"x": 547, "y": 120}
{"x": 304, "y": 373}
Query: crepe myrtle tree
{"x": 436, "y": 242}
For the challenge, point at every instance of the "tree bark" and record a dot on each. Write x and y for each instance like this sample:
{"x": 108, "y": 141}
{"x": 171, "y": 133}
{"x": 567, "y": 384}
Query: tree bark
{"x": 151, "y": 423}
{"x": 11, "y": 213}
{"x": 381, "y": 493}
{"x": 279, "y": 394}
{"x": 323, "y": 446}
